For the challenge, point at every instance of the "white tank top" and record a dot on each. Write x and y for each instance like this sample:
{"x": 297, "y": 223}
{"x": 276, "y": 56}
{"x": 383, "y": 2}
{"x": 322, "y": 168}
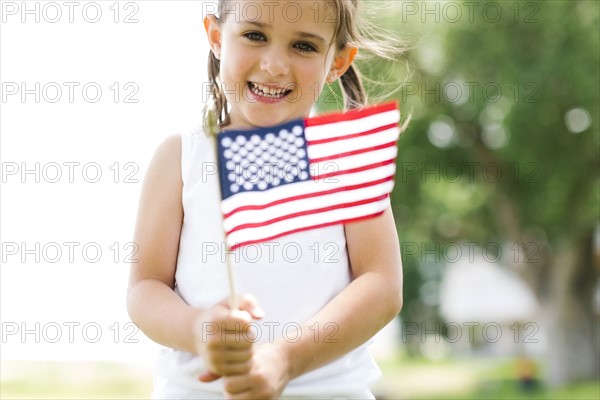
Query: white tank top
{"x": 292, "y": 278}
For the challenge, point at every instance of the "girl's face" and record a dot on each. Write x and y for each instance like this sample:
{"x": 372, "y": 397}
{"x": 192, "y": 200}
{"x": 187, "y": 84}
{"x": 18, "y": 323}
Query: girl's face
{"x": 275, "y": 58}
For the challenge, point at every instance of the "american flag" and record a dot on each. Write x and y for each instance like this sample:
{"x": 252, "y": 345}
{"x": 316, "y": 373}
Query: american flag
{"x": 307, "y": 173}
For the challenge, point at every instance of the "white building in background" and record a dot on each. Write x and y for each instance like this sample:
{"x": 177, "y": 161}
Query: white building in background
{"x": 489, "y": 309}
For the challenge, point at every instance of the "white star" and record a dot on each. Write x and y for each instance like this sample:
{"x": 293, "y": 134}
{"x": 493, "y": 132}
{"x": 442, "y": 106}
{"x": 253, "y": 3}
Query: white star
{"x": 226, "y": 141}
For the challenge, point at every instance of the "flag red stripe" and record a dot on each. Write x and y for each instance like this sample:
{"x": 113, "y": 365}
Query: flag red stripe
{"x": 308, "y": 195}
{"x": 353, "y": 152}
{"x": 350, "y": 115}
{"x": 306, "y": 228}
{"x": 307, "y": 212}
{"x": 353, "y": 135}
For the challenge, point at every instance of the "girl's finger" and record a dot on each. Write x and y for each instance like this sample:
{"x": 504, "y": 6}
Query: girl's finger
{"x": 236, "y": 384}
{"x": 237, "y": 355}
{"x": 230, "y": 369}
{"x": 237, "y": 340}
{"x": 236, "y": 320}
{"x": 249, "y": 303}
{"x": 208, "y": 376}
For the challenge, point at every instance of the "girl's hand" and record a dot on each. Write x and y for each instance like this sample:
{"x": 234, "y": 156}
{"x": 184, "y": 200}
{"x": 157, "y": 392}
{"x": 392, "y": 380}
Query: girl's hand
{"x": 266, "y": 379}
{"x": 224, "y": 339}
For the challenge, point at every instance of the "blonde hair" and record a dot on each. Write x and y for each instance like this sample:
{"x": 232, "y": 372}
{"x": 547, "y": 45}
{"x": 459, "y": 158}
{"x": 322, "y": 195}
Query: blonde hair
{"x": 351, "y": 29}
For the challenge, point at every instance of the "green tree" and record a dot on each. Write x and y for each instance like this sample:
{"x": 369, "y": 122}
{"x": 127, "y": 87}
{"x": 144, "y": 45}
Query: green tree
{"x": 529, "y": 108}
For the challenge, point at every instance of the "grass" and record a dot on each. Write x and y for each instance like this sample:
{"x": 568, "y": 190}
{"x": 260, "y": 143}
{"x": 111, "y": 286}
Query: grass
{"x": 56, "y": 380}
{"x": 467, "y": 379}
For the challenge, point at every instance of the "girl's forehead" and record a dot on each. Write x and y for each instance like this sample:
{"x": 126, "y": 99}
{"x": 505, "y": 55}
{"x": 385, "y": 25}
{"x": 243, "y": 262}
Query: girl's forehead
{"x": 315, "y": 13}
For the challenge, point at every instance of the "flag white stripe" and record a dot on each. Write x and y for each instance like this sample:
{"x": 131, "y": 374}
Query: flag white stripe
{"x": 357, "y": 160}
{"x": 333, "y": 129}
{"x": 301, "y": 188}
{"x": 267, "y": 231}
{"x": 309, "y": 203}
{"x": 353, "y": 144}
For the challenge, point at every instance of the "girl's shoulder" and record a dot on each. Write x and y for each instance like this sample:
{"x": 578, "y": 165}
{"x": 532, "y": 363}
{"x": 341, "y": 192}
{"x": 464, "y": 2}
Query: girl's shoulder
{"x": 175, "y": 150}
{"x": 168, "y": 153}
{"x": 165, "y": 166}
{"x": 171, "y": 143}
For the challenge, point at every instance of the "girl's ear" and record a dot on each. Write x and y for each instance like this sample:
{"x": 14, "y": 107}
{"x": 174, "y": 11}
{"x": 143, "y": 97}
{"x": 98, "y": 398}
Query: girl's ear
{"x": 213, "y": 32}
{"x": 341, "y": 63}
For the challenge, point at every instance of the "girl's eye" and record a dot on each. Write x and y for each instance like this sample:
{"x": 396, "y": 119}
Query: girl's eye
{"x": 305, "y": 47}
{"x": 255, "y": 36}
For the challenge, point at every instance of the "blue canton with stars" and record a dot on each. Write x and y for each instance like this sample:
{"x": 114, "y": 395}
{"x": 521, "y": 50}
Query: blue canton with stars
{"x": 262, "y": 158}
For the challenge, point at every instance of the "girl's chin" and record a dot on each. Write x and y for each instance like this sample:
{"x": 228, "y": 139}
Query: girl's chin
{"x": 262, "y": 119}
{"x": 264, "y": 123}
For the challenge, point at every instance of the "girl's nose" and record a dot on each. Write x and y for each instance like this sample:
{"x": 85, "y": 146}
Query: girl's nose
{"x": 275, "y": 62}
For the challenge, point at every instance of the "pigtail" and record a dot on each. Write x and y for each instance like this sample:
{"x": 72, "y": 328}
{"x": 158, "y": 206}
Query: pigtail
{"x": 218, "y": 109}
{"x": 355, "y": 30}
{"x": 353, "y": 89}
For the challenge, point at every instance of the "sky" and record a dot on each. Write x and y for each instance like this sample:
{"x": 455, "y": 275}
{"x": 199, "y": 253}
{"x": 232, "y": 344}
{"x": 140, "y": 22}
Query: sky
{"x": 89, "y": 90}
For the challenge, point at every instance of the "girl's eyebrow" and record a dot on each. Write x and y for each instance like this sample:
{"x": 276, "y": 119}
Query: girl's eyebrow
{"x": 311, "y": 36}
{"x": 264, "y": 25}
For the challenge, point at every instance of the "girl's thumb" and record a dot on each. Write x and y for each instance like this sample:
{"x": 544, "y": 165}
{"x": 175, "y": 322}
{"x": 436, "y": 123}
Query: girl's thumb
{"x": 249, "y": 304}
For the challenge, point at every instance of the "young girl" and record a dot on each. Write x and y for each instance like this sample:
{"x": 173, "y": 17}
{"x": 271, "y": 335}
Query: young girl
{"x": 313, "y": 299}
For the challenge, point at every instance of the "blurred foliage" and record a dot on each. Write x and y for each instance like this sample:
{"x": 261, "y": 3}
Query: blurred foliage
{"x": 535, "y": 71}
{"x": 497, "y": 103}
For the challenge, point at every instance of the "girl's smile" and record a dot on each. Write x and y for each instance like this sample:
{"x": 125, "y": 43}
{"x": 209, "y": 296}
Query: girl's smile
{"x": 266, "y": 93}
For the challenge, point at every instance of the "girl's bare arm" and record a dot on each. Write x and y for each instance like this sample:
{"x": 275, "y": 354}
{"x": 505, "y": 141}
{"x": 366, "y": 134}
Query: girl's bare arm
{"x": 159, "y": 312}
{"x": 151, "y": 301}
{"x": 372, "y": 299}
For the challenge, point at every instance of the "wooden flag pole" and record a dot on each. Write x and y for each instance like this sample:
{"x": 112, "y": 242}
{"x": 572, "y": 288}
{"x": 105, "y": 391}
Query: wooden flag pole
{"x": 233, "y": 300}
{"x": 212, "y": 130}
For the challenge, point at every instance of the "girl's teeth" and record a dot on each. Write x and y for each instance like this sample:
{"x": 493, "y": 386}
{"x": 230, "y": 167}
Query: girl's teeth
{"x": 266, "y": 91}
